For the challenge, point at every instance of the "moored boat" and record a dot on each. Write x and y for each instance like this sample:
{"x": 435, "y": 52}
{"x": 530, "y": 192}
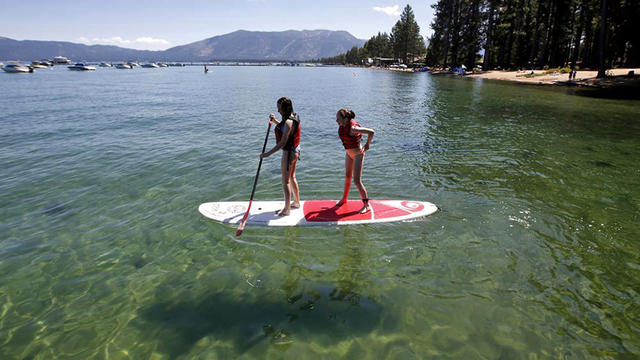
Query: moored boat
{"x": 105, "y": 64}
{"x": 123, "y": 66}
{"x": 16, "y": 68}
{"x": 38, "y": 65}
{"x": 150, "y": 65}
{"x": 81, "y": 67}
{"x": 61, "y": 60}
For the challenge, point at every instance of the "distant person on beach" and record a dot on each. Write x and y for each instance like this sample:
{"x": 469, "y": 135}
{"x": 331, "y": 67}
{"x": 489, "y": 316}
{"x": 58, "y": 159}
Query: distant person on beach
{"x": 572, "y": 74}
{"x": 350, "y": 133}
{"x": 287, "y": 133}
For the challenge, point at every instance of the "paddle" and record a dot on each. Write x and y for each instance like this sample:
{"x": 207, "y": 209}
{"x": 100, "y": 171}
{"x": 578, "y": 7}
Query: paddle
{"x": 255, "y": 182}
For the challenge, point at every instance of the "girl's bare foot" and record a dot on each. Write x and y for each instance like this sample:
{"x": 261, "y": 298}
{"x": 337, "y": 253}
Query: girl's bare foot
{"x": 365, "y": 209}
{"x": 295, "y": 205}
{"x": 283, "y": 212}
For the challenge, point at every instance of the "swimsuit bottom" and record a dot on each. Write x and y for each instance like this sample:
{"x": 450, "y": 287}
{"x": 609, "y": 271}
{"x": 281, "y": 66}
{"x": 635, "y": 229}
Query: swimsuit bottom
{"x": 352, "y": 153}
{"x": 296, "y": 150}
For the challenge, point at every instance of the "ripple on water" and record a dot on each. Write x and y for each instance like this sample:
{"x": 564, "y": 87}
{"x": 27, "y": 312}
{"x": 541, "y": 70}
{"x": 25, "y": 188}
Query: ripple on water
{"x": 103, "y": 253}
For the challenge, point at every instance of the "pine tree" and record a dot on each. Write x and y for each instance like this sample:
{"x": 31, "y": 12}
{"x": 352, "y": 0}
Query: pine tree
{"x": 406, "y": 39}
{"x": 378, "y": 46}
{"x": 540, "y": 33}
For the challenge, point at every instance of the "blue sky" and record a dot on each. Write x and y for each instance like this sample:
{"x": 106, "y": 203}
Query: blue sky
{"x": 160, "y": 24}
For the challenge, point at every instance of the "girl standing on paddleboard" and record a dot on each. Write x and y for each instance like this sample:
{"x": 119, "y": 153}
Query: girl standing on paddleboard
{"x": 288, "y": 139}
{"x": 350, "y": 133}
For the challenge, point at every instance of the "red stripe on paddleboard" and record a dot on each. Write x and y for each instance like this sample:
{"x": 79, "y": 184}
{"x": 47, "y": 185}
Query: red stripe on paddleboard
{"x": 384, "y": 211}
{"x": 325, "y": 211}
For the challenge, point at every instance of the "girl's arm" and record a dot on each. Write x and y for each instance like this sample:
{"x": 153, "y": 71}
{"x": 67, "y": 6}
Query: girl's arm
{"x": 273, "y": 120}
{"x": 282, "y": 142}
{"x": 367, "y": 131}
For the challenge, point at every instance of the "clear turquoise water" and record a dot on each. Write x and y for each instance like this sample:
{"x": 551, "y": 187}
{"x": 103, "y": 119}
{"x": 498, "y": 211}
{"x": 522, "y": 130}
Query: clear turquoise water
{"x": 103, "y": 254}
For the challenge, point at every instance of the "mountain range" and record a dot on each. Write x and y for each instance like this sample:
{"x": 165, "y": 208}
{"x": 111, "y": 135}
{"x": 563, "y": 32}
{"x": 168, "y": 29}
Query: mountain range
{"x": 241, "y": 45}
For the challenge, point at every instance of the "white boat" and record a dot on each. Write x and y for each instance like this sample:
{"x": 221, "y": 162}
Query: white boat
{"x": 162, "y": 64}
{"x": 105, "y": 64}
{"x": 81, "y": 67}
{"x": 15, "y": 68}
{"x": 123, "y": 66}
{"x": 61, "y": 60}
{"x": 150, "y": 65}
{"x": 38, "y": 65}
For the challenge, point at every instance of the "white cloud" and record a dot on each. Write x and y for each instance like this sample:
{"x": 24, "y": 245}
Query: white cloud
{"x": 150, "y": 40}
{"x": 389, "y": 10}
{"x": 119, "y": 41}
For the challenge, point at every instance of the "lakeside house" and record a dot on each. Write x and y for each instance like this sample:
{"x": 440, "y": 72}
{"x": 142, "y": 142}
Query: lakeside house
{"x": 381, "y": 61}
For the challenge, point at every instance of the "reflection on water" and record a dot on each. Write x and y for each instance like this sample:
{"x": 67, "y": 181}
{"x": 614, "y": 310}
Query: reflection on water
{"x": 253, "y": 322}
{"x": 278, "y": 310}
{"x": 104, "y": 255}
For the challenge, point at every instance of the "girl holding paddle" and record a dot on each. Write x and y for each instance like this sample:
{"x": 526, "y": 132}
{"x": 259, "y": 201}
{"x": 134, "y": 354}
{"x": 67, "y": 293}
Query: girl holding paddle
{"x": 350, "y": 133}
{"x": 287, "y": 133}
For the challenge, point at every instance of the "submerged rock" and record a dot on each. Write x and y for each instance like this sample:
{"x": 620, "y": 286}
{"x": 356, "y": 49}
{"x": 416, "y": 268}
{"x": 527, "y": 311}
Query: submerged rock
{"x": 56, "y": 208}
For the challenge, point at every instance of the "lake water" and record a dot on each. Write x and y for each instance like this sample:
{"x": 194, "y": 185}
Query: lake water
{"x": 103, "y": 254}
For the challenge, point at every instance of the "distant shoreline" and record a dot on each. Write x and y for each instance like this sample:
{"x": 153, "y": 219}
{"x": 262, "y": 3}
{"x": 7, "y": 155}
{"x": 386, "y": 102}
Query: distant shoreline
{"x": 618, "y": 84}
{"x": 585, "y": 77}
{"x": 538, "y": 77}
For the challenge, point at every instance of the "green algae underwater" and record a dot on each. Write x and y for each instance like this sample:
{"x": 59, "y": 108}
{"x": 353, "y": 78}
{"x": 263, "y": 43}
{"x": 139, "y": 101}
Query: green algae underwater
{"x": 103, "y": 254}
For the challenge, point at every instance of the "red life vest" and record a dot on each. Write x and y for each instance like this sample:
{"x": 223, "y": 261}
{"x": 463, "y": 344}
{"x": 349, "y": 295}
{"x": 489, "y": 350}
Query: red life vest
{"x": 294, "y": 139}
{"x": 349, "y": 141}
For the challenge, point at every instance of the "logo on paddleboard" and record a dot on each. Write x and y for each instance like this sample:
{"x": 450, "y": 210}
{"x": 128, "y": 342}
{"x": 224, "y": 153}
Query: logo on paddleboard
{"x": 227, "y": 210}
{"x": 236, "y": 209}
{"x": 412, "y": 206}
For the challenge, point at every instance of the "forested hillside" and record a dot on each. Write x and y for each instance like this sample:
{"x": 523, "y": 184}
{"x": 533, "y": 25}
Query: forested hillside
{"x": 536, "y": 33}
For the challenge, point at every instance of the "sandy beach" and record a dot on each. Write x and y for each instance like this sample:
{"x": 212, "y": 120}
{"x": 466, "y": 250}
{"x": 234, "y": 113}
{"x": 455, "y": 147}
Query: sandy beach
{"x": 586, "y": 77}
{"x": 617, "y": 78}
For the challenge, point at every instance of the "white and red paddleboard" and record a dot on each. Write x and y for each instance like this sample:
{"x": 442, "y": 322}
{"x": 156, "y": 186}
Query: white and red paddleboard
{"x": 316, "y": 212}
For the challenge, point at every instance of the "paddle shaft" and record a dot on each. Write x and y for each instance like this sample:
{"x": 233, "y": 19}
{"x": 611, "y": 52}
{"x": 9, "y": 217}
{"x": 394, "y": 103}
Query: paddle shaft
{"x": 255, "y": 182}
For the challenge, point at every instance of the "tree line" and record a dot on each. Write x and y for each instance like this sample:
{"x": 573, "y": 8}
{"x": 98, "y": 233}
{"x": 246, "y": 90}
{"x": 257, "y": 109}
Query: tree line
{"x": 519, "y": 34}
{"x": 404, "y": 42}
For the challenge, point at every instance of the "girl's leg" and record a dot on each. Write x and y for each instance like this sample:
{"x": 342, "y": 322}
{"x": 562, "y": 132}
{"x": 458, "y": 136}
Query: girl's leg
{"x": 348, "y": 173}
{"x": 286, "y": 185}
{"x": 357, "y": 179}
{"x": 293, "y": 181}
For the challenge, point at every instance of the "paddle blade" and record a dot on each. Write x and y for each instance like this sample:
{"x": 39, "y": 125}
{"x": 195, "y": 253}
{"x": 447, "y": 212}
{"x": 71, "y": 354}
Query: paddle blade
{"x": 244, "y": 220}
{"x": 240, "y": 229}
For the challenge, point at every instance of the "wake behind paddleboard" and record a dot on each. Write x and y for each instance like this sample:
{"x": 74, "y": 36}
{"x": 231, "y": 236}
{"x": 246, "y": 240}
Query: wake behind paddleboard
{"x": 316, "y": 212}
